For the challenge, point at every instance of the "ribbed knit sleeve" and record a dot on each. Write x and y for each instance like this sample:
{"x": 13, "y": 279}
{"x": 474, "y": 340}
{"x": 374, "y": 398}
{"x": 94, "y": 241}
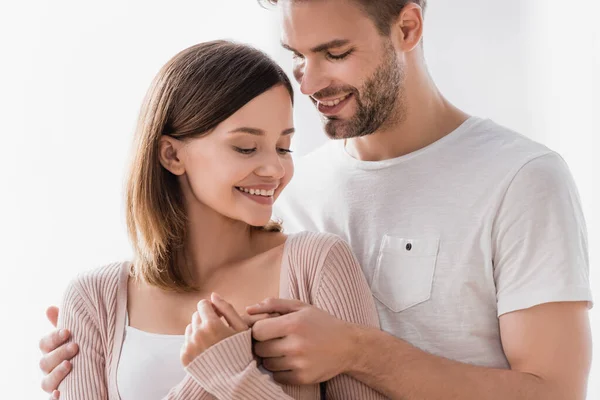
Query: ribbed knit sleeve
{"x": 229, "y": 371}
{"x": 88, "y": 378}
{"x": 188, "y": 389}
{"x": 342, "y": 290}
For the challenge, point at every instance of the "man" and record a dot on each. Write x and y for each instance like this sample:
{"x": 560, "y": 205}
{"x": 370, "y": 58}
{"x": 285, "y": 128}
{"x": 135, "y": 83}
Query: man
{"x": 471, "y": 236}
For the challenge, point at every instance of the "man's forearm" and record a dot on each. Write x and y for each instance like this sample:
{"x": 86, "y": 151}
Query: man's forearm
{"x": 401, "y": 371}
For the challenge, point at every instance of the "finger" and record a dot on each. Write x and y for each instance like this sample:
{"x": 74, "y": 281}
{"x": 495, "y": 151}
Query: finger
{"x": 286, "y": 378}
{"x": 52, "y": 315}
{"x": 231, "y": 316}
{"x": 55, "y": 395}
{"x": 277, "y": 364}
{"x": 196, "y": 320}
{"x": 216, "y": 310}
{"x": 205, "y": 309}
{"x": 185, "y": 355}
{"x": 51, "y": 381}
{"x": 188, "y": 330}
{"x": 271, "y": 348}
{"x": 271, "y": 328}
{"x": 252, "y": 319}
{"x": 272, "y": 305}
{"x": 50, "y": 361}
{"x": 53, "y": 340}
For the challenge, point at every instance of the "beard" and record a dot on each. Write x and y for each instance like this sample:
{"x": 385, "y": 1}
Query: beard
{"x": 380, "y": 102}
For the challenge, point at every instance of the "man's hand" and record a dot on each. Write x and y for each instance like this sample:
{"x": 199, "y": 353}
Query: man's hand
{"x": 207, "y": 328}
{"x": 305, "y": 345}
{"x": 56, "y": 355}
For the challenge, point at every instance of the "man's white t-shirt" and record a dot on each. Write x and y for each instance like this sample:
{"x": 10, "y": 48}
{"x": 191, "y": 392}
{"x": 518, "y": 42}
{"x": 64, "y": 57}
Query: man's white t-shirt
{"x": 481, "y": 223}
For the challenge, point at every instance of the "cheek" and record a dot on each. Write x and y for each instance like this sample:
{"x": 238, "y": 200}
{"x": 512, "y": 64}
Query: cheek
{"x": 289, "y": 173}
{"x": 226, "y": 173}
{"x": 352, "y": 73}
{"x": 214, "y": 174}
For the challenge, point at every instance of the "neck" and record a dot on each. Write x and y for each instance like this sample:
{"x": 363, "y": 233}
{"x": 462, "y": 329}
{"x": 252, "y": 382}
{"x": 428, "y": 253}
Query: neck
{"x": 427, "y": 117}
{"x": 214, "y": 241}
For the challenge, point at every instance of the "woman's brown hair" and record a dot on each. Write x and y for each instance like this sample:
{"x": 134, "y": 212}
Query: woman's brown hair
{"x": 193, "y": 93}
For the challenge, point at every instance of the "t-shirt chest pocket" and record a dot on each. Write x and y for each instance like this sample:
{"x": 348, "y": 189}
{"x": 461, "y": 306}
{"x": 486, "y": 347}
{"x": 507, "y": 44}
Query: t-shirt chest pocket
{"x": 404, "y": 273}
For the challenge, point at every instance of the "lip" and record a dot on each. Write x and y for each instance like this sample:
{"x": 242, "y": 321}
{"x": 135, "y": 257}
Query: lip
{"x": 262, "y": 200}
{"x": 331, "y": 111}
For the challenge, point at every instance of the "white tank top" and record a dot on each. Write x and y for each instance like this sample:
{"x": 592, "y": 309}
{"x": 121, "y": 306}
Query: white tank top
{"x": 149, "y": 365}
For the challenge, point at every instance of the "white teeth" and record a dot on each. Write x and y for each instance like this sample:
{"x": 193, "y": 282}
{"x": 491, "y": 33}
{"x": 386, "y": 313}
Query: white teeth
{"x": 331, "y": 103}
{"x": 258, "y": 192}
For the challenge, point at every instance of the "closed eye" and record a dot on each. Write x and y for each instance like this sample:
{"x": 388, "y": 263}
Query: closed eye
{"x": 284, "y": 151}
{"x": 244, "y": 151}
{"x": 339, "y": 56}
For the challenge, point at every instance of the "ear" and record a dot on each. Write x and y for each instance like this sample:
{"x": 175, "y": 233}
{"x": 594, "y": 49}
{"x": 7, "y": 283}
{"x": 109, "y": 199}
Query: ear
{"x": 170, "y": 151}
{"x": 407, "y": 30}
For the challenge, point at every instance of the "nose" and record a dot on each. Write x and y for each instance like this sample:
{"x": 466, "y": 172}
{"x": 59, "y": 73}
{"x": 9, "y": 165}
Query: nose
{"x": 310, "y": 78}
{"x": 271, "y": 167}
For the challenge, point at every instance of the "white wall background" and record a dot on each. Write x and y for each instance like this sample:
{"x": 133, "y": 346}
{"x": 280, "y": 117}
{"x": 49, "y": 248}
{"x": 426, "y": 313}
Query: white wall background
{"x": 72, "y": 76}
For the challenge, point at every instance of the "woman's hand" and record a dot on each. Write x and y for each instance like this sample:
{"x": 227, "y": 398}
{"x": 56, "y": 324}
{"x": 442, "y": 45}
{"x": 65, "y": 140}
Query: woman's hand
{"x": 207, "y": 327}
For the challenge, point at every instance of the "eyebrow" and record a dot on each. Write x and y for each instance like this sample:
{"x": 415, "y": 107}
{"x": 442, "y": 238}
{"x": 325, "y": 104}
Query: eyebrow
{"x": 259, "y": 132}
{"x": 332, "y": 44}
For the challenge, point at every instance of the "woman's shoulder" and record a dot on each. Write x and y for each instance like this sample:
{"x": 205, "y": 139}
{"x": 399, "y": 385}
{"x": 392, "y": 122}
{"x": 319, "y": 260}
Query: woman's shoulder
{"x": 314, "y": 243}
{"x": 306, "y": 237}
{"x": 324, "y": 271}
{"x": 99, "y": 286}
{"x": 309, "y": 253}
{"x": 93, "y": 305}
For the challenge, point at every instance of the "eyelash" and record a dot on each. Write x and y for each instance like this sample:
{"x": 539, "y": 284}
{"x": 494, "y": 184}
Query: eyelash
{"x": 252, "y": 150}
{"x": 328, "y": 55}
{"x": 245, "y": 151}
{"x": 339, "y": 57}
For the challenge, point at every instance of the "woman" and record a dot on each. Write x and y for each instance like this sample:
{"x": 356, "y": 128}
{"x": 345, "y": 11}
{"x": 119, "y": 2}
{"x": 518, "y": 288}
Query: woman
{"x": 211, "y": 156}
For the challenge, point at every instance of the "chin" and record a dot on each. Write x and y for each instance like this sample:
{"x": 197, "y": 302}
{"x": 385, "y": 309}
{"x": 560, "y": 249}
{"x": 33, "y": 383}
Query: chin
{"x": 337, "y": 130}
{"x": 258, "y": 222}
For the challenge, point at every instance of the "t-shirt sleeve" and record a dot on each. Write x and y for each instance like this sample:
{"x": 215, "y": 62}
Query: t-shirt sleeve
{"x": 539, "y": 239}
